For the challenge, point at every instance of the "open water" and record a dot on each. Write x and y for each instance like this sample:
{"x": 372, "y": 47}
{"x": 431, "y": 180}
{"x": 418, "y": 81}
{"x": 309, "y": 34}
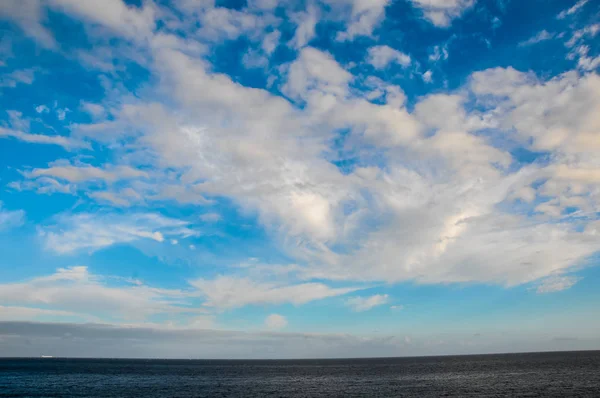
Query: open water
{"x": 563, "y": 374}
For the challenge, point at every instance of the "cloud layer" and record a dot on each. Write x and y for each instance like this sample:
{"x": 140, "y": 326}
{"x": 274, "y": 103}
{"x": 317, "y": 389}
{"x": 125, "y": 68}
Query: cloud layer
{"x": 336, "y": 154}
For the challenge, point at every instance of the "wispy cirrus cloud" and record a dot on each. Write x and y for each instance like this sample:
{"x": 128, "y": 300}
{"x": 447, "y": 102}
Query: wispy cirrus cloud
{"x": 572, "y": 10}
{"x": 542, "y": 35}
{"x": 233, "y": 292}
{"x": 81, "y": 231}
{"x": 66, "y": 142}
{"x": 360, "y": 304}
{"x": 80, "y": 173}
{"x": 556, "y": 284}
{"x": 10, "y": 218}
{"x": 76, "y": 293}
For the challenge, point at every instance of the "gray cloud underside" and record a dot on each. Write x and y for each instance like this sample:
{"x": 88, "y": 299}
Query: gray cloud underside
{"x": 19, "y": 339}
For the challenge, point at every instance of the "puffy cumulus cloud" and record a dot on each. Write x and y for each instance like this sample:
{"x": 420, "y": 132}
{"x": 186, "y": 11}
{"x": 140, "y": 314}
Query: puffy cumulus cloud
{"x": 360, "y": 304}
{"x": 427, "y": 76}
{"x": 81, "y": 231}
{"x": 453, "y": 233}
{"x": 382, "y": 56}
{"x": 306, "y": 22}
{"x": 442, "y": 12}
{"x": 77, "y": 294}
{"x": 447, "y": 112}
{"x": 235, "y": 131}
{"x": 317, "y": 79}
{"x": 271, "y": 41}
{"x": 416, "y": 220}
{"x": 560, "y": 116}
{"x": 276, "y": 321}
{"x": 233, "y": 292}
{"x": 316, "y": 70}
{"x": 364, "y": 17}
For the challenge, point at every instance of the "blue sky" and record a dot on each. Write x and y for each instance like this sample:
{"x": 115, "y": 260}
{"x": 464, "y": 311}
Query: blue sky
{"x": 380, "y": 177}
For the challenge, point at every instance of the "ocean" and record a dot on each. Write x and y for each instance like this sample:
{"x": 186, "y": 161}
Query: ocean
{"x": 557, "y": 374}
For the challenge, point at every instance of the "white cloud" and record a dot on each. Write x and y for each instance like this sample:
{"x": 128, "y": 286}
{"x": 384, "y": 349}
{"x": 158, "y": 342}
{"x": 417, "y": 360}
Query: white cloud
{"x": 448, "y": 197}
{"x": 211, "y": 217}
{"x": 314, "y": 69}
{"x": 442, "y": 12}
{"x": 110, "y": 197}
{"x": 94, "y": 110}
{"x": 75, "y": 292}
{"x": 11, "y": 313}
{"x": 436, "y": 208}
{"x": 43, "y": 185}
{"x": 439, "y": 53}
{"x": 558, "y": 115}
{"x": 556, "y": 284}
{"x": 11, "y": 218}
{"x": 305, "y": 31}
{"x": 572, "y": 10}
{"x": 427, "y": 77}
{"x": 276, "y": 322}
{"x": 42, "y": 109}
{"x": 233, "y": 292}
{"x": 95, "y": 231}
{"x": 446, "y": 112}
{"x": 381, "y": 56}
{"x": 222, "y": 23}
{"x": 365, "y": 16}
{"x": 264, "y": 4}
{"x": 271, "y": 41}
{"x": 115, "y": 15}
{"x": 254, "y": 59}
{"x": 61, "y": 114}
{"x": 579, "y": 35}
{"x": 585, "y": 62}
{"x": 12, "y": 79}
{"x": 86, "y": 173}
{"x": 539, "y": 37}
{"x": 29, "y": 15}
{"x": 66, "y": 142}
{"x": 360, "y": 304}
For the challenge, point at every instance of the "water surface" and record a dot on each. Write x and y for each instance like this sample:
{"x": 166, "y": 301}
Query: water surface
{"x": 564, "y": 374}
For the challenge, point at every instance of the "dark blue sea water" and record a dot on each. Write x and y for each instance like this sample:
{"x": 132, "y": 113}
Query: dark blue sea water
{"x": 565, "y": 374}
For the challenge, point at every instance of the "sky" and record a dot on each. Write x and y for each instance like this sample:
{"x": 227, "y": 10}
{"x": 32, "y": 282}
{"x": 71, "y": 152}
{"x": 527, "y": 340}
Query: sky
{"x": 312, "y": 178}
